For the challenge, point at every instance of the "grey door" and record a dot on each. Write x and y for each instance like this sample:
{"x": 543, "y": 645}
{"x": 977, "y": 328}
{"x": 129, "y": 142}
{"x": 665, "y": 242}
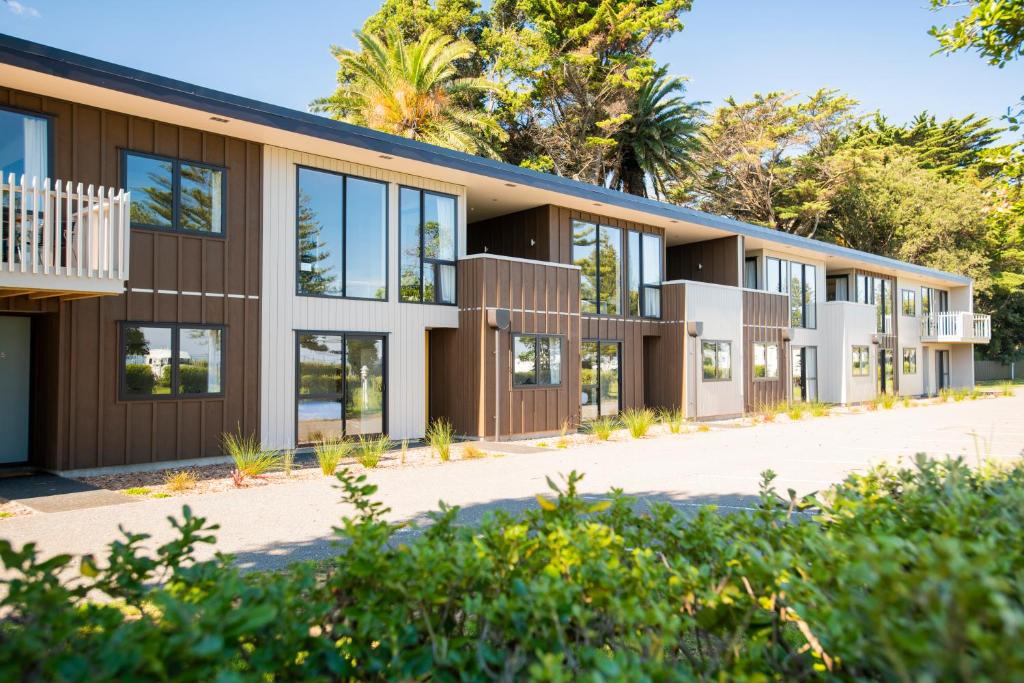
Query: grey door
{"x": 14, "y": 379}
{"x": 942, "y": 360}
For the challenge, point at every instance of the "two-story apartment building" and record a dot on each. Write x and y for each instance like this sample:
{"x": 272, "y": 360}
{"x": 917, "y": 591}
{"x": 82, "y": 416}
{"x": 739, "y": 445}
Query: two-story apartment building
{"x": 178, "y": 262}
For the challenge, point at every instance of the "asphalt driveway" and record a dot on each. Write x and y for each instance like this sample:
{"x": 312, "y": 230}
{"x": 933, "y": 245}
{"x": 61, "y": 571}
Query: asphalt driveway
{"x": 269, "y": 526}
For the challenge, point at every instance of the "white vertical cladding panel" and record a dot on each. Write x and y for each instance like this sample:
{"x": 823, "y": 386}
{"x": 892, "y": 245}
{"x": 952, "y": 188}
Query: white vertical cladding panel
{"x": 844, "y": 325}
{"x": 962, "y": 298}
{"x": 720, "y": 309}
{"x": 909, "y": 337}
{"x": 961, "y": 366}
{"x": 283, "y": 312}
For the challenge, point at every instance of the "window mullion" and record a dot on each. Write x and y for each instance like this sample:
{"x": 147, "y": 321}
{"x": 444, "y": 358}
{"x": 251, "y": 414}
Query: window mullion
{"x": 423, "y": 246}
{"x": 175, "y": 352}
{"x": 344, "y": 238}
{"x": 176, "y": 198}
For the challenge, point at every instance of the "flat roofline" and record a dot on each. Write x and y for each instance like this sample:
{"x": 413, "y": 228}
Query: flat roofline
{"x": 63, "y": 64}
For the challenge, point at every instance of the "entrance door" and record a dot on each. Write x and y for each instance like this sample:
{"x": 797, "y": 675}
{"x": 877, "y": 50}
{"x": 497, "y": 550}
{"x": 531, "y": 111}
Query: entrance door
{"x": 942, "y": 368}
{"x": 599, "y": 379}
{"x": 884, "y": 381}
{"x": 15, "y": 338}
{"x": 805, "y": 373}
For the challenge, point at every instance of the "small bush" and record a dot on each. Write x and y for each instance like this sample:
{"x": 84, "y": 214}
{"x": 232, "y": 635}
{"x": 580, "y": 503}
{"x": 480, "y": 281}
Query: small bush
{"x": 638, "y": 421}
{"x": 139, "y": 378}
{"x": 250, "y": 459}
{"x": 371, "y": 449}
{"x": 769, "y": 411}
{"x": 819, "y": 409}
{"x": 182, "y": 480}
{"x": 288, "y": 462}
{"x": 194, "y": 378}
{"x": 673, "y": 419}
{"x": 329, "y": 454}
{"x": 1006, "y": 389}
{"x": 563, "y": 440}
{"x": 944, "y": 395}
{"x": 905, "y": 402}
{"x": 796, "y": 411}
{"x": 137, "y": 491}
{"x": 542, "y": 444}
{"x": 960, "y": 394}
{"x": 471, "y": 452}
{"x": 887, "y": 401}
{"x": 440, "y": 434}
{"x": 704, "y": 428}
{"x": 976, "y": 394}
{"x": 602, "y": 427}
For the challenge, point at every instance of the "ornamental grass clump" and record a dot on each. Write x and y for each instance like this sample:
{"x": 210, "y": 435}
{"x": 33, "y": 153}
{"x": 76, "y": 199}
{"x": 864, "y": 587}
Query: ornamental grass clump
{"x": 371, "y": 449}
{"x": 602, "y": 427}
{"x": 819, "y": 409}
{"x": 180, "y": 481}
{"x": 440, "y": 434}
{"x": 1006, "y": 389}
{"x": 960, "y": 394}
{"x": 673, "y": 419}
{"x": 638, "y": 421}
{"x": 769, "y": 411}
{"x": 887, "y": 401}
{"x": 563, "y": 439}
{"x": 251, "y": 460}
{"x": 796, "y": 411}
{"x": 330, "y": 452}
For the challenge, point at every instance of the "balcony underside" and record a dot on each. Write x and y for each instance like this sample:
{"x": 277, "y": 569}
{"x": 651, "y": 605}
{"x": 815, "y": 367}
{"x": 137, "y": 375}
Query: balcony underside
{"x": 939, "y": 339}
{"x": 56, "y": 286}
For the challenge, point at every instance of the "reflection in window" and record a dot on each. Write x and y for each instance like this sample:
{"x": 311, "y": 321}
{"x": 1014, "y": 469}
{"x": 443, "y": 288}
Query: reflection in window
{"x": 644, "y": 274}
{"x": 766, "y": 361}
{"x": 599, "y": 379}
{"x": 837, "y": 288}
{"x": 341, "y": 388}
{"x": 908, "y": 302}
{"x": 24, "y": 146}
{"x": 910, "y": 361}
{"x": 598, "y": 253}
{"x": 716, "y": 360}
{"x": 341, "y": 233}
{"x": 861, "y": 361}
{"x": 427, "y": 245}
{"x": 802, "y": 297}
{"x": 174, "y": 195}
{"x": 171, "y": 360}
{"x": 537, "y": 360}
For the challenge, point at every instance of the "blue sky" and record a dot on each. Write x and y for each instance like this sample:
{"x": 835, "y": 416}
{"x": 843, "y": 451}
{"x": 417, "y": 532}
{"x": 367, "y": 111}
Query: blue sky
{"x": 877, "y": 51}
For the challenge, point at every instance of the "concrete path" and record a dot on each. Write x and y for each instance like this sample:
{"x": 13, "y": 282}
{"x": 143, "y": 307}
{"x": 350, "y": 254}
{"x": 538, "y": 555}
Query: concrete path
{"x": 269, "y": 526}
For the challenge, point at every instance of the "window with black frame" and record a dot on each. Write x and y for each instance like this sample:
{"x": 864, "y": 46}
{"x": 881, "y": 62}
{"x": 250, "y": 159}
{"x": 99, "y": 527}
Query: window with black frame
{"x": 160, "y": 360}
{"x": 597, "y": 250}
{"x": 427, "y": 247}
{"x": 536, "y": 360}
{"x": 340, "y": 386}
{"x": 879, "y": 292}
{"x": 600, "y": 379}
{"x": 716, "y": 361}
{"x": 837, "y": 288}
{"x": 171, "y": 194}
{"x": 909, "y": 360}
{"x": 803, "y": 295}
{"x": 860, "y": 361}
{"x": 341, "y": 235}
{"x": 908, "y": 302}
{"x": 644, "y": 274}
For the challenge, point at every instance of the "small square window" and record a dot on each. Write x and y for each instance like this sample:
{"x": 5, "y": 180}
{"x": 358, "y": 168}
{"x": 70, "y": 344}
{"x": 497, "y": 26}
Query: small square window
{"x": 167, "y": 361}
{"x": 716, "y": 360}
{"x": 536, "y": 360}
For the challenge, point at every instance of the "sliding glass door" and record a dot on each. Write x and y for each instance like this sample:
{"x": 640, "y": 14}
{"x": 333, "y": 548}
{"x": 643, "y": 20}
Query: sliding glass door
{"x": 599, "y": 379}
{"x": 340, "y": 386}
{"x": 805, "y": 373}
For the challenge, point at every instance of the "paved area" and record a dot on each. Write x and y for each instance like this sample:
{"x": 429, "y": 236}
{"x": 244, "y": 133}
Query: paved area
{"x": 50, "y": 493}
{"x": 270, "y": 526}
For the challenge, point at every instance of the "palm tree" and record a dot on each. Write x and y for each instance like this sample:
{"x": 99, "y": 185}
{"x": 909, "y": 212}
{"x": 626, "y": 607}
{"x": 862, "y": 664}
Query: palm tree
{"x": 658, "y": 139}
{"x": 413, "y": 90}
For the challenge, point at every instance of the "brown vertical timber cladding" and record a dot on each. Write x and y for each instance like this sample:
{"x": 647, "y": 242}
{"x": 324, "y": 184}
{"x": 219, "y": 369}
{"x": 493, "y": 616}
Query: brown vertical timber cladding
{"x": 543, "y": 299}
{"x": 716, "y": 261}
{"x": 765, "y": 319}
{"x": 78, "y": 349}
{"x": 665, "y": 355}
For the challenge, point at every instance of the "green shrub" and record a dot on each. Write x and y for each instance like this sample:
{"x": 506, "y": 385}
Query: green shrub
{"x": 194, "y": 379}
{"x": 371, "y": 449}
{"x": 330, "y": 452}
{"x": 672, "y": 418}
{"x": 138, "y": 378}
{"x": 137, "y": 491}
{"x": 638, "y": 421}
{"x": 900, "y": 574}
{"x": 602, "y": 427}
{"x": 440, "y": 434}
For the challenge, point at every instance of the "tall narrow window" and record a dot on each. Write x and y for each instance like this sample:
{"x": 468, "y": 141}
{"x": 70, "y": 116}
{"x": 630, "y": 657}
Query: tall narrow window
{"x": 598, "y": 253}
{"x": 909, "y": 361}
{"x": 427, "y": 243}
{"x": 341, "y": 386}
{"x": 766, "y": 361}
{"x": 644, "y": 274}
{"x": 599, "y": 379}
{"x": 341, "y": 235}
{"x": 161, "y": 360}
{"x": 750, "y": 272}
{"x": 169, "y": 194}
{"x": 716, "y": 361}
{"x": 802, "y": 295}
{"x": 837, "y": 288}
{"x": 909, "y": 302}
{"x": 24, "y": 146}
{"x": 860, "y": 361}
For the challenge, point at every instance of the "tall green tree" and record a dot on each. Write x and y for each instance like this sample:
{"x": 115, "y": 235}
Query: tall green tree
{"x": 413, "y": 90}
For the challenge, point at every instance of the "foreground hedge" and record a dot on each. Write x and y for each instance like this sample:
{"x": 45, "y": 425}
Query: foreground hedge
{"x": 910, "y": 574}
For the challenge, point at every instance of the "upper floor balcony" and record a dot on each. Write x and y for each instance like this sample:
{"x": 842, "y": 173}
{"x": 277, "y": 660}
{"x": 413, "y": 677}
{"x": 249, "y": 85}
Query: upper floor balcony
{"x": 59, "y": 239}
{"x": 956, "y": 327}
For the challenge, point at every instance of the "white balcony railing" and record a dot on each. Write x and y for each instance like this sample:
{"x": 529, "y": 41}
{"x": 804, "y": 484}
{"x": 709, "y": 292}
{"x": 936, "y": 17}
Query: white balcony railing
{"x": 956, "y": 326}
{"x": 62, "y": 237}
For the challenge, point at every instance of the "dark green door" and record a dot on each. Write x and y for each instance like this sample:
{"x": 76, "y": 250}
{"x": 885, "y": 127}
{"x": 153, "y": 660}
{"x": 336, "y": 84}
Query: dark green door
{"x": 14, "y": 396}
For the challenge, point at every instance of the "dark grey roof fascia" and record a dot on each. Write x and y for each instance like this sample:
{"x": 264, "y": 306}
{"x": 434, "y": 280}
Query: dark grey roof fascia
{"x": 61, "y": 63}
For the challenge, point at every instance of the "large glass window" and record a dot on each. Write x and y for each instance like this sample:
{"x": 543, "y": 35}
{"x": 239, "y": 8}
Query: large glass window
{"x": 861, "y": 361}
{"x": 878, "y": 291}
{"x": 537, "y": 360}
{"x": 644, "y": 274}
{"x": 24, "y": 146}
{"x": 170, "y": 194}
{"x": 341, "y": 388}
{"x": 837, "y": 288}
{"x": 716, "y": 360}
{"x": 597, "y": 250}
{"x": 802, "y": 295}
{"x": 934, "y": 300}
{"x": 599, "y": 379}
{"x": 766, "y": 361}
{"x": 427, "y": 244}
{"x": 341, "y": 235}
{"x": 162, "y": 360}
{"x": 776, "y": 275}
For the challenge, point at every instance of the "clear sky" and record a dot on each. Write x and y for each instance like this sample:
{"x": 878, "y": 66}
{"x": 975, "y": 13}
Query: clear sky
{"x": 878, "y": 51}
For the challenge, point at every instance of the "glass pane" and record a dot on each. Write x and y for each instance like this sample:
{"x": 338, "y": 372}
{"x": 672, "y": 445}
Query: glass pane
{"x": 147, "y": 361}
{"x": 24, "y": 145}
{"x": 610, "y": 262}
{"x": 925, "y": 300}
{"x": 429, "y": 281}
{"x": 438, "y": 227}
{"x": 201, "y": 198}
{"x": 199, "y": 361}
{"x": 772, "y": 361}
{"x": 609, "y": 389}
{"x": 584, "y": 255}
{"x": 588, "y": 380}
{"x": 150, "y": 182}
{"x": 750, "y": 273}
{"x": 633, "y": 273}
{"x": 319, "y": 420}
{"x": 524, "y": 361}
{"x": 796, "y": 296}
{"x": 446, "y": 283}
{"x": 549, "y": 360}
{"x": 760, "y": 364}
{"x": 810, "y": 296}
{"x": 318, "y": 227}
{"x": 652, "y": 302}
{"x": 364, "y": 373}
{"x": 409, "y": 245}
{"x": 366, "y": 236}
{"x": 708, "y": 359}
{"x": 724, "y": 360}
{"x": 652, "y": 259}
{"x": 798, "y": 374}
{"x": 320, "y": 364}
